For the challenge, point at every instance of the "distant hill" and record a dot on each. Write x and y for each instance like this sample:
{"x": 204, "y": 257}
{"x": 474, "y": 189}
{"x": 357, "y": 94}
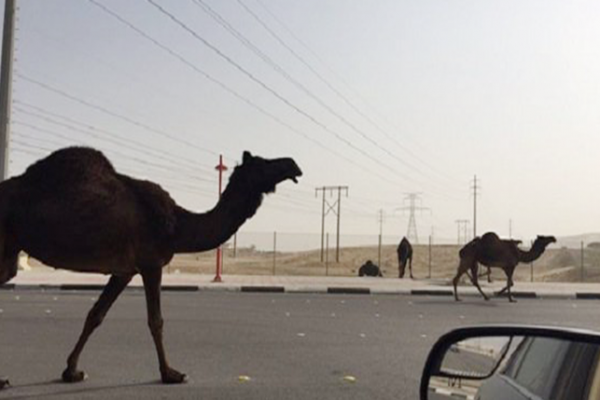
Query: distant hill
{"x": 575, "y": 240}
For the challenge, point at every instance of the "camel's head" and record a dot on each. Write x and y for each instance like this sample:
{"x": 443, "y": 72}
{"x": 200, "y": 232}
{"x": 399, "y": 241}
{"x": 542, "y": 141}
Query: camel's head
{"x": 263, "y": 175}
{"x": 545, "y": 240}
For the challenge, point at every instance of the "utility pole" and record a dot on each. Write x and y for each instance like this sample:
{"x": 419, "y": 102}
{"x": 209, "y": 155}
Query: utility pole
{"x": 219, "y": 268}
{"x": 6, "y": 84}
{"x": 475, "y": 187}
{"x": 336, "y": 208}
{"x": 381, "y": 216}
{"x": 462, "y": 227}
{"x": 510, "y": 228}
{"x": 412, "y": 199}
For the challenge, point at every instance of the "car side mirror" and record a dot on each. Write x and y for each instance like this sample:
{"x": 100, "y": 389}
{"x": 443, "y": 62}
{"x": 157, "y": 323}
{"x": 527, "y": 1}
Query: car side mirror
{"x": 513, "y": 362}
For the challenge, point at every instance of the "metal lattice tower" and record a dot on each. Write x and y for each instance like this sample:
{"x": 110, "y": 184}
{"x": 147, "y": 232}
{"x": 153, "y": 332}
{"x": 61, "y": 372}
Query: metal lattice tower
{"x": 412, "y": 199}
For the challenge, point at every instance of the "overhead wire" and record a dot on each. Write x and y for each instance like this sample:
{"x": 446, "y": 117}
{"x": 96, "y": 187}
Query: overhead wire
{"x": 279, "y": 69}
{"x": 108, "y": 136}
{"x": 329, "y": 85}
{"x": 234, "y": 93}
{"x": 269, "y": 89}
{"x": 113, "y": 113}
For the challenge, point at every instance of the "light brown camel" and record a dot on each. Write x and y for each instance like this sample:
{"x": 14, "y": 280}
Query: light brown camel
{"x": 405, "y": 254}
{"x": 72, "y": 210}
{"x": 491, "y": 251}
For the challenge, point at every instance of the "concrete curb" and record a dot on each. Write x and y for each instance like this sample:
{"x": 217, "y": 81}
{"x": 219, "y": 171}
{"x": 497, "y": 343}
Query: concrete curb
{"x": 306, "y": 289}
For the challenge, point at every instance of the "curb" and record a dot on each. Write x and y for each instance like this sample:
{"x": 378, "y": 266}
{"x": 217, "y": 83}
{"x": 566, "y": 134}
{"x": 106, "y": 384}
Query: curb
{"x": 295, "y": 289}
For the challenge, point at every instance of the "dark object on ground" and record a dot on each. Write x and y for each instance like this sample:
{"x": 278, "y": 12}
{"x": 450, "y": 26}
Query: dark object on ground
{"x": 369, "y": 269}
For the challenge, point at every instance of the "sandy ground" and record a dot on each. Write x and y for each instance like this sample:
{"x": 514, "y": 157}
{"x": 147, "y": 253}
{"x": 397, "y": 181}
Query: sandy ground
{"x": 556, "y": 265}
{"x": 441, "y": 261}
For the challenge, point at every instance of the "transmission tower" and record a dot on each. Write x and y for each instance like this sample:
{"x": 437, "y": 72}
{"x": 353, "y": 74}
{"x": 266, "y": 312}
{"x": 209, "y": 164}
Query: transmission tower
{"x": 336, "y": 208}
{"x": 412, "y": 199}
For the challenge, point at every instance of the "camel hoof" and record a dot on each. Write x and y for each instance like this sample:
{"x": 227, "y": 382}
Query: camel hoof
{"x": 4, "y": 383}
{"x": 512, "y": 300}
{"x": 487, "y": 298}
{"x": 69, "y": 376}
{"x": 172, "y": 376}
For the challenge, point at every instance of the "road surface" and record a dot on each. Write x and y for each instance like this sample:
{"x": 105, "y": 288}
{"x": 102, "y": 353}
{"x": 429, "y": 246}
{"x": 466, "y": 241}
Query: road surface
{"x": 247, "y": 345}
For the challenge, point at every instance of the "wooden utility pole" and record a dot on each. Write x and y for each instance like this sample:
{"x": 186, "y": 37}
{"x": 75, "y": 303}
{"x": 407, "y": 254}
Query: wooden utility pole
{"x": 6, "y": 84}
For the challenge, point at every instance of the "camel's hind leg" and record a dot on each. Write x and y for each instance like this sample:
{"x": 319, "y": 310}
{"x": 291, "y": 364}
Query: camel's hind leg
{"x": 111, "y": 291}
{"x": 410, "y": 267}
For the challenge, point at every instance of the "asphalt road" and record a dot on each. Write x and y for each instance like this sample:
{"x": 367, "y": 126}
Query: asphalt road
{"x": 291, "y": 346}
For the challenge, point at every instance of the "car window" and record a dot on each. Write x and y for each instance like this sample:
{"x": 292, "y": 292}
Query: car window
{"x": 537, "y": 363}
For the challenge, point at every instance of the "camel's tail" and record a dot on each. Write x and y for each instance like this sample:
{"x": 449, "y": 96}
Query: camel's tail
{"x": 8, "y": 264}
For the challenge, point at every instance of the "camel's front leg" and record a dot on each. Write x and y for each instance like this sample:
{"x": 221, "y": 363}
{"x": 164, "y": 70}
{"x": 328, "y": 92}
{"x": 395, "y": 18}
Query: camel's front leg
{"x": 410, "y": 267}
{"x": 111, "y": 291}
{"x": 152, "y": 278}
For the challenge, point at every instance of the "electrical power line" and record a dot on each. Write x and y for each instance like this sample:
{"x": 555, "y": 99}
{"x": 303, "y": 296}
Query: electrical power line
{"x": 329, "y": 85}
{"x": 269, "y": 89}
{"x": 231, "y": 91}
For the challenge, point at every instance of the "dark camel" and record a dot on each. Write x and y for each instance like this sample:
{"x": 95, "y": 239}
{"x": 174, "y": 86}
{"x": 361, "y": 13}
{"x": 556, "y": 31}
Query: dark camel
{"x": 72, "y": 210}
{"x": 491, "y": 251}
{"x": 369, "y": 269}
{"x": 405, "y": 254}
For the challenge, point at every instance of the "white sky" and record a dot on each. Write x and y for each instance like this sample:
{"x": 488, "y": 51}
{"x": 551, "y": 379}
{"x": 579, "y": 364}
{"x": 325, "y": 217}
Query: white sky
{"x": 507, "y": 90}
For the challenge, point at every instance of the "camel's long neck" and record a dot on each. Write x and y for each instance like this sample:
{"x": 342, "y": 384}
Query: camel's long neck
{"x": 533, "y": 254}
{"x": 206, "y": 231}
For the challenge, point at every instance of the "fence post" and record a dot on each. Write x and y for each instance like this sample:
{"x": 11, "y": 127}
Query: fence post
{"x": 531, "y": 265}
{"x": 582, "y": 262}
{"x": 234, "y": 245}
{"x": 274, "y": 251}
{"x": 430, "y": 243}
{"x": 379, "y": 253}
{"x": 327, "y": 254}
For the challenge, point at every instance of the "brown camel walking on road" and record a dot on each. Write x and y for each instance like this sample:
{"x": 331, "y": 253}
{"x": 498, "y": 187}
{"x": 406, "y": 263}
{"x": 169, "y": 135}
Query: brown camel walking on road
{"x": 491, "y": 251}
{"x": 72, "y": 210}
{"x": 405, "y": 254}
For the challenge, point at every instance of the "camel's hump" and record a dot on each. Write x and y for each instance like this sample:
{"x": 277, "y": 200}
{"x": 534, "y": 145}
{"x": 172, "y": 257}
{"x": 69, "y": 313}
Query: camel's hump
{"x": 69, "y": 166}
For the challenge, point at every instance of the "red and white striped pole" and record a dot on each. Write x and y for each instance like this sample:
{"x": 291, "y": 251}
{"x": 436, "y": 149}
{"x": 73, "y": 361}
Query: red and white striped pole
{"x": 221, "y": 167}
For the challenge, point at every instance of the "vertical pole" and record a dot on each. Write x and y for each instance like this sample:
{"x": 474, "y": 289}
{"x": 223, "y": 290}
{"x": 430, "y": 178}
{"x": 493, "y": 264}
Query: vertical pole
{"x": 531, "y": 265}
{"x": 458, "y": 230}
{"x": 6, "y": 84}
{"x": 582, "y": 263}
{"x": 221, "y": 167}
{"x": 235, "y": 245}
{"x": 327, "y": 255}
{"x": 379, "y": 253}
{"x": 274, "y": 251}
{"x": 475, "y": 207}
{"x": 380, "y": 238}
{"x": 323, "y": 227}
{"x": 339, "y": 208}
{"x": 430, "y": 243}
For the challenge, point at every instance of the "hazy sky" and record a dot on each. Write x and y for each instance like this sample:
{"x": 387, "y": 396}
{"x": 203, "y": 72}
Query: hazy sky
{"x": 387, "y": 97}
